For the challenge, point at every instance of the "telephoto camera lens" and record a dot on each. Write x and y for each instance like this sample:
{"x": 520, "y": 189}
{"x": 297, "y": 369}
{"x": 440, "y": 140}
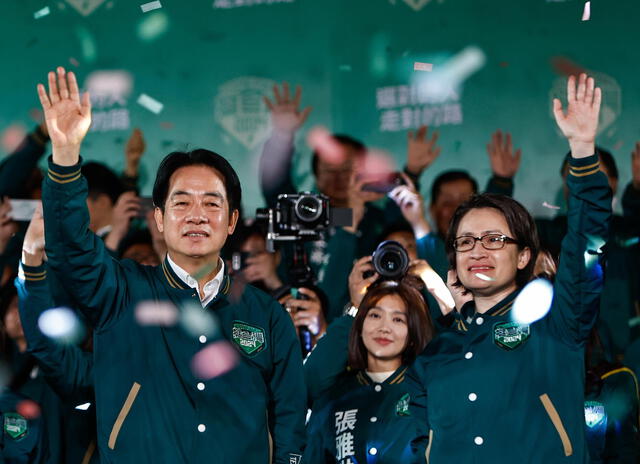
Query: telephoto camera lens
{"x": 308, "y": 208}
{"x": 390, "y": 260}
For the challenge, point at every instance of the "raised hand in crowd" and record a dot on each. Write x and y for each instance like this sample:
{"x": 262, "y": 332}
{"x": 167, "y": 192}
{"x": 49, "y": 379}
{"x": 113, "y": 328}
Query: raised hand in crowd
{"x": 358, "y": 284}
{"x": 33, "y": 244}
{"x": 286, "y": 117}
{"x": 635, "y": 166}
{"x": 133, "y": 153}
{"x": 8, "y": 227}
{"x": 460, "y": 294}
{"x": 126, "y": 208}
{"x": 411, "y": 204}
{"x": 504, "y": 161}
{"x": 357, "y": 198}
{"x": 580, "y": 121}
{"x": 263, "y": 267}
{"x": 68, "y": 116}
{"x": 306, "y": 313}
{"x": 422, "y": 151}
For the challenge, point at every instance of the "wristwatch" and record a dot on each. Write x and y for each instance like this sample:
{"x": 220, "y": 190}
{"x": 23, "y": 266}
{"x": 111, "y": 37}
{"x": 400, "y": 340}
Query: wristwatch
{"x": 350, "y": 310}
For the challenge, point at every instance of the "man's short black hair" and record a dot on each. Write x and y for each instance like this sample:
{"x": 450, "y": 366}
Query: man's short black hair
{"x": 101, "y": 181}
{"x": 450, "y": 176}
{"x": 606, "y": 158}
{"x": 200, "y": 157}
{"x": 347, "y": 141}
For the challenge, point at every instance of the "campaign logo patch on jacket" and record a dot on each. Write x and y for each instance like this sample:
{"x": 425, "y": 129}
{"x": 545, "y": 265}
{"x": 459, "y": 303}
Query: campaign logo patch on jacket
{"x": 15, "y": 425}
{"x": 510, "y": 335}
{"x": 402, "y": 406}
{"x": 249, "y": 338}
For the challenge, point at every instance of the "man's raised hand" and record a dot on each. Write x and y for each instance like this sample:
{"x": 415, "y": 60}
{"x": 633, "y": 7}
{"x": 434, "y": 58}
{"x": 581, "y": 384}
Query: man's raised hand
{"x": 68, "y": 117}
{"x": 286, "y": 116}
{"x": 580, "y": 122}
{"x": 504, "y": 161}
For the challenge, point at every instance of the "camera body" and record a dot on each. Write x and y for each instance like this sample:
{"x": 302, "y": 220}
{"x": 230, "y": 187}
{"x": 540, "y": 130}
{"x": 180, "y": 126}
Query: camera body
{"x": 302, "y": 217}
{"x": 390, "y": 260}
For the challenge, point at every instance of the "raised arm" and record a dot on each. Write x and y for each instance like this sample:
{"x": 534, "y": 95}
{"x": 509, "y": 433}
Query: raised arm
{"x": 579, "y": 279}
{"x": 67, "y": 368}
{"x": 80, "y": 258}
{"x": 16, "y": 168}
{"x": 505, "y": 162}
{"x": 277, "y": 154}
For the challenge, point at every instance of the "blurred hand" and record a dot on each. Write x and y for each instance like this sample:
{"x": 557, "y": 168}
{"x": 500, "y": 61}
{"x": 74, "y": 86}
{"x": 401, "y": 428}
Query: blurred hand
{"x": 635, "y": 166}
{"x": 358, "y": 285}
{"x": 126, "y": 208}
{"x": 286, "y": 117}
{"x": 504, "y": 162}
{"x": 133, "y": 152}
{"x": 580, "y": 122}
{"x": 306, "y": 313}
{"x": 262, "y": 266}
{"x": 434, "y": 284}
{"x": 411, "y": 204}
{"x": 421, "y": 151}
{"x": 357, "y": 199}
{"x": 67, "y": 116}
{"x": 8, "y": 227}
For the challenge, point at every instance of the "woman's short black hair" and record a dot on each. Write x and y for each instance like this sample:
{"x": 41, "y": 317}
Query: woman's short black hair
{"x": 199, "y": 157}
{"x": 420, "y": 328}
{"x": 520, "y": 222}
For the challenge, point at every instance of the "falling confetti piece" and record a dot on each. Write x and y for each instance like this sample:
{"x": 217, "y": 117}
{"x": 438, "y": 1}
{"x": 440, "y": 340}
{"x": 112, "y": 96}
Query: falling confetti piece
{"x": 28, "y": 409}
{"x": 205, "y": 270}
{"x": 618, "y": 145}
{"x": 550, "y": 206}
{"x": 41, "y": 13}
{"x": 83, "y": 406}
{"x": 586, "y": 14}
{"x": 149, "y": 103}
{"x": 197, "y": 321}
{"x": 417, "y": 66}
{"x": 345, "y": 67}
{"x": 166, "y": 125}
{"x": 74, "y": 62}
{"x": 61, "y": 324}
{"x": 214, "y": 360}
{"x": 630, "y": 242}
{"x": 160, "y": 313}
{"x": 12, "y": 137}
{"x": 150, "y": 6}
{"x": 486, "y": 278}
{"x": 327, "y": 147}
{"x": 533, "y": 302}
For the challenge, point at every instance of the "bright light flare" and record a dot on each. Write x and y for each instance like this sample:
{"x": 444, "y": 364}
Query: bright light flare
{"x": 533, "y": 302}
{"x": 61, "y": 324}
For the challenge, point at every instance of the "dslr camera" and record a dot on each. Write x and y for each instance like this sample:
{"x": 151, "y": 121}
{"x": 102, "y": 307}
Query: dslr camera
{"x": 390, "y": 260}
{"x": 301, "y": 217}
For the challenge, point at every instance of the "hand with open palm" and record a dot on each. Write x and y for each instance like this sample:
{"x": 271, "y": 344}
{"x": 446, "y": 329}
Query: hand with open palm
{"x": 580, "y": 122}
{"x": 68, "y": 117}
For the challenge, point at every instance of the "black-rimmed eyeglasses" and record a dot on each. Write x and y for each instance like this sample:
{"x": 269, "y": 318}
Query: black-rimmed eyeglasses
{"x": 489, "y": 242}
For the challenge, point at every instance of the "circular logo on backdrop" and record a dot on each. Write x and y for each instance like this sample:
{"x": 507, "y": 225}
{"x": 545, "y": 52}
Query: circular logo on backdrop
{"x": 239, "y": 109}
{"x": 611, "y": 107}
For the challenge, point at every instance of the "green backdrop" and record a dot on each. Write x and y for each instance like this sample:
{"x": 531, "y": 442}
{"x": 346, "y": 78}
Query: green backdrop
{"x": 209, "y": 61}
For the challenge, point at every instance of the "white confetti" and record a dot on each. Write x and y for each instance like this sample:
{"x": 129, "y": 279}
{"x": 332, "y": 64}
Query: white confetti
{"x": 61, "y": 324}
{"x": 549, "y": 205}
{"x": 586, "y": 14}
{"x": 150, "y": 6}
{"x": 486, "y": 278}
{"x": 149, "y": 103}
{"x": 41, "y": 13}
{"x": 198, "y": 321}
{"x": 417, "y": 66}
{"x": 160, "y": 313}
{"x": 84, "y": 406}
{"x": 533, "y": 302}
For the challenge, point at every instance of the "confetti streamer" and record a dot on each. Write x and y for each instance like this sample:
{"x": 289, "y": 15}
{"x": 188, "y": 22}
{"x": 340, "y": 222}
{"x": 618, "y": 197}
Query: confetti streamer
{"x": 150, "y": 6}
{"x": 149, "y": 103}
{"x": 417, "y": 66}
{"x": 74, "y": 62}
{"x": 586, "y": 14}
{"x": 159, "y": 313}
{"x": 550, "y": 206}
{"x": 486, "y": 278}
{"x": 41, "y": 13}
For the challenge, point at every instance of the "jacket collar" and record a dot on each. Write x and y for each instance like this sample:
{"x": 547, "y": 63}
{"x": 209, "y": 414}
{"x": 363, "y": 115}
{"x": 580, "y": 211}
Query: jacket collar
{"x": 395, "y": 378}
{"x": 468, "y": 311}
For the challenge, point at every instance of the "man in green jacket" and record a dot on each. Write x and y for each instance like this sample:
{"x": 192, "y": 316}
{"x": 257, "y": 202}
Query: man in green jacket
{"x": 156, "y": 401}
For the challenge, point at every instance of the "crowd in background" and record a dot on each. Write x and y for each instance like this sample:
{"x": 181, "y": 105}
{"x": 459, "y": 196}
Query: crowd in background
{"x": 35, "y": 370}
